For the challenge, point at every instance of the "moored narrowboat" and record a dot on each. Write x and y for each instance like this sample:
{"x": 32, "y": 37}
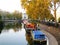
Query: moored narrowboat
{"x": 38, "y": 36}
{"x": 29, "y": 27}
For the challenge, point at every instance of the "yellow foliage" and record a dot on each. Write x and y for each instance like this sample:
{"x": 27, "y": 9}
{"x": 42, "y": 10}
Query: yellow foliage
{"x": 36, "y": 8}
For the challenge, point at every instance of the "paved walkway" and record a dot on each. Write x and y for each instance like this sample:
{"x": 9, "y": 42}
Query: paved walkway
{"x": 51, "y": 39}
{"x": 52, "y": 30}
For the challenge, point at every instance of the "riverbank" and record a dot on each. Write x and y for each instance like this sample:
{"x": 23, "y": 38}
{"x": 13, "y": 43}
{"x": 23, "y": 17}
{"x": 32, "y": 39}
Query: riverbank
{"x": 52, "y": 30}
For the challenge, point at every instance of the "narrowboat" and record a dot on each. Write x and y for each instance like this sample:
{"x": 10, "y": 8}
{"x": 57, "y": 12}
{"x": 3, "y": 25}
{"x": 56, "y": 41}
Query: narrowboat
{"x": 38, "y": 36}
{"x": 29, "y": 27}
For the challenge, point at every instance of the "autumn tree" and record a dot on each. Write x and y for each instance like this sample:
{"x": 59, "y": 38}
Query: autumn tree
{"x": 36, "y": 8}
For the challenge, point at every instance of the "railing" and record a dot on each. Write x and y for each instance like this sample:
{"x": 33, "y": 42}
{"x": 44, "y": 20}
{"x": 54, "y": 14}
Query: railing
{"x": 49, "y": 23}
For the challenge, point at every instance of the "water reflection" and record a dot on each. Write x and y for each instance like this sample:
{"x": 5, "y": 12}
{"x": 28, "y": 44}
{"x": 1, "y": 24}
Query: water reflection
{"x": 1, "y": 26}
{"x": 7, "y": 26}
{"x": 14, "y": 25}
{"x": 13, "y": 38}
{"x": 29, "y": 39}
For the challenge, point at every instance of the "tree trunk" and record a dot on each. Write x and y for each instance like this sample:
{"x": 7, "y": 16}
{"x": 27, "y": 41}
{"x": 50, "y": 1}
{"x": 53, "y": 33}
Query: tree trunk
{"x": 55, "y": 12}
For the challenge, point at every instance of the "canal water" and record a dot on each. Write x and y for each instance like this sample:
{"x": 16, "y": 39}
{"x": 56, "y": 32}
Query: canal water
{"x": 13, "y": 37}
{"x": 13, "y": 34}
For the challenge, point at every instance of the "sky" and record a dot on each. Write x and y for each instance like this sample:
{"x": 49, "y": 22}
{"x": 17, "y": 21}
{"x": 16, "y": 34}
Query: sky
{"x": 57, "y": 13}
{"x": 11, "y": 5}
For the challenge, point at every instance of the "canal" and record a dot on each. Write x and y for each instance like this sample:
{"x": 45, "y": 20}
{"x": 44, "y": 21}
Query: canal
{"x": 12, "y": 34}
{"x": 15, "y": 34}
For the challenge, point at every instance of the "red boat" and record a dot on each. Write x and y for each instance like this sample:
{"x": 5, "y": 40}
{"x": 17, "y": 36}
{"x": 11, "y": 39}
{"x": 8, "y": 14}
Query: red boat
{"x": 29, "y": 26}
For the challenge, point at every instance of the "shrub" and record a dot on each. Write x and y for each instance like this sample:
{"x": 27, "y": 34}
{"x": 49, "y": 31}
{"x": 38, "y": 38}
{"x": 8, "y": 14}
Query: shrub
{"x": 59, "y": 19}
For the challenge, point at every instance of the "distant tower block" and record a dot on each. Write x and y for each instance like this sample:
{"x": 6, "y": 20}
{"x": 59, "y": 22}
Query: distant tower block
{"x": 24, "y": 16}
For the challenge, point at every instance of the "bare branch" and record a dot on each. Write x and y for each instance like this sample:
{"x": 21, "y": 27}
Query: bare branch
{"x": 51, "y": 8}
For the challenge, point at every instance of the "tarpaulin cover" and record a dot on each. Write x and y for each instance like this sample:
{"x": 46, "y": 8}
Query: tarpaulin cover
{"x": 38, "y": 34}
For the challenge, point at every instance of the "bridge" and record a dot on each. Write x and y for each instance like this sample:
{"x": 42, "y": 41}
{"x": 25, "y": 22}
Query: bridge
{"x": 11, "y": 21}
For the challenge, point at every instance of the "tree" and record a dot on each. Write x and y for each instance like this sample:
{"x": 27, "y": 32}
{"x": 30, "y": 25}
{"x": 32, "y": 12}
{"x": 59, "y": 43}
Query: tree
{"x": 54, "y": 6}
{"x": 36, "y": 8}
{"x": 9, "y": 16}
{"x": 17, "y": 14}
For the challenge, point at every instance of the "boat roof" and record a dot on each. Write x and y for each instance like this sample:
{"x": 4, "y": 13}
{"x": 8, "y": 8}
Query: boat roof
{"x": 37, "y": 32}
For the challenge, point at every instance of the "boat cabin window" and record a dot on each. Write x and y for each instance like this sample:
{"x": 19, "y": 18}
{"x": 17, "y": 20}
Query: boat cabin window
{"x": 42, "y": 35}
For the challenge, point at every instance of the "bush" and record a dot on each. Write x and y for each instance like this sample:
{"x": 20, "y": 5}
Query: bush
{"x": 59, "y": 19}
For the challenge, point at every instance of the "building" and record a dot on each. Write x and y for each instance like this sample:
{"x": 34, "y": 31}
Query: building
{"x": 24, "y": 16}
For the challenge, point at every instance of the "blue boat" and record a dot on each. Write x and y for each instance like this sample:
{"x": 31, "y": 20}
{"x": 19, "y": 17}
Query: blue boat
{"x": 38, "y": 36}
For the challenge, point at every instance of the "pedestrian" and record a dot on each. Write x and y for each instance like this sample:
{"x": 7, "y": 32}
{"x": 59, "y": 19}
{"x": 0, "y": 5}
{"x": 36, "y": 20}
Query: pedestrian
{"x": 38, "y": 27}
